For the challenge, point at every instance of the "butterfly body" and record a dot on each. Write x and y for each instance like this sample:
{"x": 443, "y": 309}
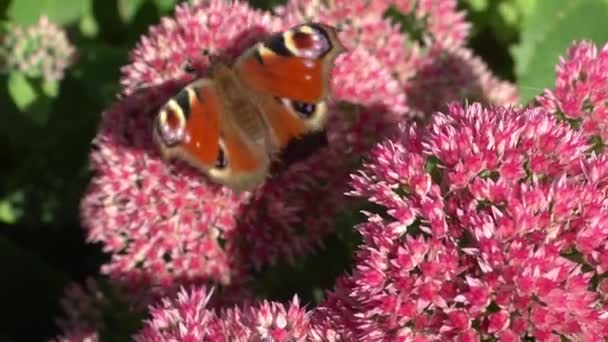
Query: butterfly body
{"x": 232, "y": 124}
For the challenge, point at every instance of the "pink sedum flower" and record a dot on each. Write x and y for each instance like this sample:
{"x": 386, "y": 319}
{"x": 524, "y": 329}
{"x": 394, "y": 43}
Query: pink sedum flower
{"x": 159, "y": 225}
{"x": 446, "y": 26}
{"x": 483, "y": 211}
{"x": 371, "y": 85}
{"x": 82, "y": 318}
{"x": 40, "y": 50}
{"x": 196, "y": 33}
{"x": 162, "y": 222}
{"x": 449, "y": 75}
{"x": 188, "y": 318}
{"x": 164, "y": 225}
{"x": 581, "y": 88}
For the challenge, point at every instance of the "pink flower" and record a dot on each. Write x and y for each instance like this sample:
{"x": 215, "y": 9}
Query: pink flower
{"x": 455, "y": 74}
{"x": 162, "y": 222}
{"x": 445, "y": 25}
{"x": 93, "y": 312}
{"x": 83, "y": 316}
{"x": 188, "y": 318}
{"x": 417, "y": 277}
{"x": 581, "y": 88}
{"x": 40, "y": 50}
{"x": 159, "y": 225}
{"x": 197, "y": 33}
{"x": 371, "y": 85}
{"x": 481, "y": 208}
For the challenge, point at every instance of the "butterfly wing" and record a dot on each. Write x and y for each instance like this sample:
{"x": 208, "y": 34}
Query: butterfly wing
{"x": 192, "y": 127}
{"x": 231, "y": 125}
{"x": 291, "y": 70}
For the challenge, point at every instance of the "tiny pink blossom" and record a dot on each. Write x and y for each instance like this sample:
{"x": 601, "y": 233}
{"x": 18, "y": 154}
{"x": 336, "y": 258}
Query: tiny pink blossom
{"x": 469, "y": 335}
{"x": 498, "y": 321}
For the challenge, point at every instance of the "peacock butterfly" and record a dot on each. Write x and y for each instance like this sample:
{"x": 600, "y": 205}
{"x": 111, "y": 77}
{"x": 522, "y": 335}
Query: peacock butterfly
{"x": 232, "y": 124}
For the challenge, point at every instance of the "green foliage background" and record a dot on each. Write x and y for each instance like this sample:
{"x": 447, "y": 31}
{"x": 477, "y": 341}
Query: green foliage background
{"x": 46, "y": 129}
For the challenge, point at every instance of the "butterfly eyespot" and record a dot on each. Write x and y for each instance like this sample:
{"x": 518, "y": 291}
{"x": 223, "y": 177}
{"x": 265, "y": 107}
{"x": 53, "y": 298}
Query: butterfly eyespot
{"x": 170, "y": 126}
{"x": 222, "y": 161}
{"x": 303, "y": 40}
{"x": 311, "y": 41}
{"x": 305, "y": 110}
{"x": 172, "y": 119}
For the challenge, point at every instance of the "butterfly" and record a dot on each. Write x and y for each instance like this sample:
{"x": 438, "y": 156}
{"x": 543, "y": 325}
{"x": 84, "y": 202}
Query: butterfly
{"x": 233, "y": 124}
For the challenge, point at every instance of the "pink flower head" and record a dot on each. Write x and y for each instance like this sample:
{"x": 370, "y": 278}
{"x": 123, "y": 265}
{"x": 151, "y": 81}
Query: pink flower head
{"x": 197, "y": 32}
{"x": 445, "y": 24}
{"x": 188, "y": 318}
{"x": 449, "y": 75}
{"x": 481, "y": 208}
{"x": 82, "y": 309}
{"x": 40, "y": 50}
{"x": 158, "y": 224}
{"x": 162, "y": 222}
{"x": 581, "y": 88}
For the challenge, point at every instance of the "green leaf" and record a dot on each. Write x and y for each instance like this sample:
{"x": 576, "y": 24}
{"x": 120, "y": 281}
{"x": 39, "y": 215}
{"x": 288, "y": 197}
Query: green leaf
{"x": 11, "y": 207}
{"x": 33, "y": 97}
{"x": 166, "y": 6}
{"x": 88, "y": 25}
{"x": 50, "y": 89}
{"x": 27, "y": 12}
{"x": 21, "y": 91}
{"x": 526, "y": 6}
{"x": 478, "y": 5}
{"x": 548, "y": 31}
{"x": 128, "y": 8}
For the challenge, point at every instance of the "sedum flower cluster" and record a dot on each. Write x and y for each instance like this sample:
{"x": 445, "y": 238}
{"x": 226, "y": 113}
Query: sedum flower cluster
{"x": 40, "y": 50}
{"x": 485, "y": 221}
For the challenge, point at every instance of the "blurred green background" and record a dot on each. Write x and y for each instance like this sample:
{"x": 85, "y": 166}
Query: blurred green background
{"x": 47, "y": 126}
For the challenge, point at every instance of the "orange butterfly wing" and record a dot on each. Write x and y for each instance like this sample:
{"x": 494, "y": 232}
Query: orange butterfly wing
{"x": 192, "y": 126}
{"x": 294, "y": 69}
{"x": 189, "y": 124}
{"x": 295, "y": 64}
{"x": 292, "y": 77}
{"x": 275, "y": 90}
